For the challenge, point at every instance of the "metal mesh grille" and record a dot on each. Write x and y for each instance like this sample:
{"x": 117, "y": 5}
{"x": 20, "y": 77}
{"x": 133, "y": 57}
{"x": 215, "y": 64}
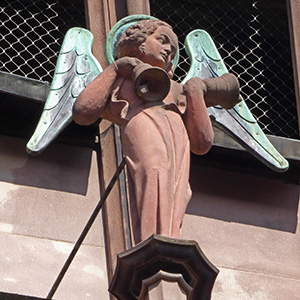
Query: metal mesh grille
{"x": 32, "y": 33}
{"x": 253, "y": 39}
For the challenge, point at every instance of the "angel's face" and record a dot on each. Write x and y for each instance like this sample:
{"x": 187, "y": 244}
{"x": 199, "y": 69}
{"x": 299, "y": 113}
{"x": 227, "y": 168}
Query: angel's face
{"x": 159, "y": 48}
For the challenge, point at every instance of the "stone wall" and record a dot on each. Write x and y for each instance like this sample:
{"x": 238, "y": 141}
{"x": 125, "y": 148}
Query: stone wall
{"x": 45, "y": 201}
{"x": 248, "y": 226}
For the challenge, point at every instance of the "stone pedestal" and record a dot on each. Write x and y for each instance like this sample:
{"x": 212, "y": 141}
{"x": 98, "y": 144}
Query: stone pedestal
{"x": 165, "y": 285}
{"x": 162, "y": 268}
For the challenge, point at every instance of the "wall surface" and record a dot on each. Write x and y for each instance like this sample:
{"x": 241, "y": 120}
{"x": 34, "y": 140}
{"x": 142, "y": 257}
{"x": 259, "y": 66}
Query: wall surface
{"x": 45, "y": 201}
{"x": 248, "y": 227}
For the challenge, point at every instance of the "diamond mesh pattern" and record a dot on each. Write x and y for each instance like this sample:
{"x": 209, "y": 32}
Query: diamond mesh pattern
{"x": 253, "y": 39}
{"x": 32, "y": 33}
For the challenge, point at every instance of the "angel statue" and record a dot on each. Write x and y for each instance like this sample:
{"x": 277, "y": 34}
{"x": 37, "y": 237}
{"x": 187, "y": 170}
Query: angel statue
{"x": 157, "y": 133}
{"x": 160, "y": 120}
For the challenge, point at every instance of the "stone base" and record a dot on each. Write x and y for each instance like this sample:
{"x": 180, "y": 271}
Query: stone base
{"x": 163, "y": 268}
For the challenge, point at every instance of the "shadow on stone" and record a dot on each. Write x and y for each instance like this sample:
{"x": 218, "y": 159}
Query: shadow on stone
{"x": 8, "y": 296}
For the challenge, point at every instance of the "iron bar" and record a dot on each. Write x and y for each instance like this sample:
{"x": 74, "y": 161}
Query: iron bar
{"x": 86, "y": 229}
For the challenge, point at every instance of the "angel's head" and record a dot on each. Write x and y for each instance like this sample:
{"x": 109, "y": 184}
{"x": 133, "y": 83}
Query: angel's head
{"x": 152, "y": 41}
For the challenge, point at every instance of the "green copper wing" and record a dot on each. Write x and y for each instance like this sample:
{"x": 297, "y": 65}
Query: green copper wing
{"x": 237, "y": 122}
{"x": 76, "y": 67}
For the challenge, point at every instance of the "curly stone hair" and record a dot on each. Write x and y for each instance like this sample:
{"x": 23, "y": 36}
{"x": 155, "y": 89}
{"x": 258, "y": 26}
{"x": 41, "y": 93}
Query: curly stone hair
{"x": 136, "y": 34}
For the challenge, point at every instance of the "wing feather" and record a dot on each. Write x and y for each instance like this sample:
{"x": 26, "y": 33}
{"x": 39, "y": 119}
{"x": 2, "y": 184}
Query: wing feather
{"x": 237, "y": 122}
{"x": 76, "y": 67}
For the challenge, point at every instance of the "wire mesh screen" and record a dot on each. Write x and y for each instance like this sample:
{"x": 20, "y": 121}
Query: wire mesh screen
{"x": 32, "y": 33}
{"x": 253, "y": 39}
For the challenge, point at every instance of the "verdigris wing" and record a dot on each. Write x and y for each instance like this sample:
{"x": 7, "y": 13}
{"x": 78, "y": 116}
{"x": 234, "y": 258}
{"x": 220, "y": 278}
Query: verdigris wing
{"x": 237, "y": 122}
{"x": 76, "y": 67}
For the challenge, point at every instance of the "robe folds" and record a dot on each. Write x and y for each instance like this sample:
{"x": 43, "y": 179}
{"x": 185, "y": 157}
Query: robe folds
{"x": 156, "y": 147}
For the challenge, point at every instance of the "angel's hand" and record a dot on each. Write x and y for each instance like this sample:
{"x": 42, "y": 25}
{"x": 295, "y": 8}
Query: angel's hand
{"x": 195, "y": 85}
{"x": 125, "y": 66}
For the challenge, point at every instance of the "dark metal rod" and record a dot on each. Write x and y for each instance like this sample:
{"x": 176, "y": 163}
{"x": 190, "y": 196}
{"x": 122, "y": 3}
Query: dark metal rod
{"x": 86, "y": 230}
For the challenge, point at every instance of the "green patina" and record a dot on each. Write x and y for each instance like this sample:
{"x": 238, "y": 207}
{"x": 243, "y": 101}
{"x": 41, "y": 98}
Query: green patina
{"x": 77, "y": 67}
{"x": 237, "y": 122}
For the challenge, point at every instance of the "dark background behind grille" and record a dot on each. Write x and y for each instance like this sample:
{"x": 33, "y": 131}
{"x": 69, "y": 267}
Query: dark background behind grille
{"x": 32, "y": 33}
{"x": 253, "y": 39}
{"x": 31, "y": 36}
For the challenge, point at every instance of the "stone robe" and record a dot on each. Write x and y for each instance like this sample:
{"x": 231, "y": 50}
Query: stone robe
{"x": 156, "y": 148}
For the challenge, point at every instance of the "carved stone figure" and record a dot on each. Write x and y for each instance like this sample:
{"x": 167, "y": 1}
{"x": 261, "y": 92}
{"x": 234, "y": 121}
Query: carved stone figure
{"x": 157, "y": 132}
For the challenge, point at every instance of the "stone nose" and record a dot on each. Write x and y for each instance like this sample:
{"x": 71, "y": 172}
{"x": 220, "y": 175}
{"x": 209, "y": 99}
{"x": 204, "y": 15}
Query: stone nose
{"x": 167, "y": 48}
